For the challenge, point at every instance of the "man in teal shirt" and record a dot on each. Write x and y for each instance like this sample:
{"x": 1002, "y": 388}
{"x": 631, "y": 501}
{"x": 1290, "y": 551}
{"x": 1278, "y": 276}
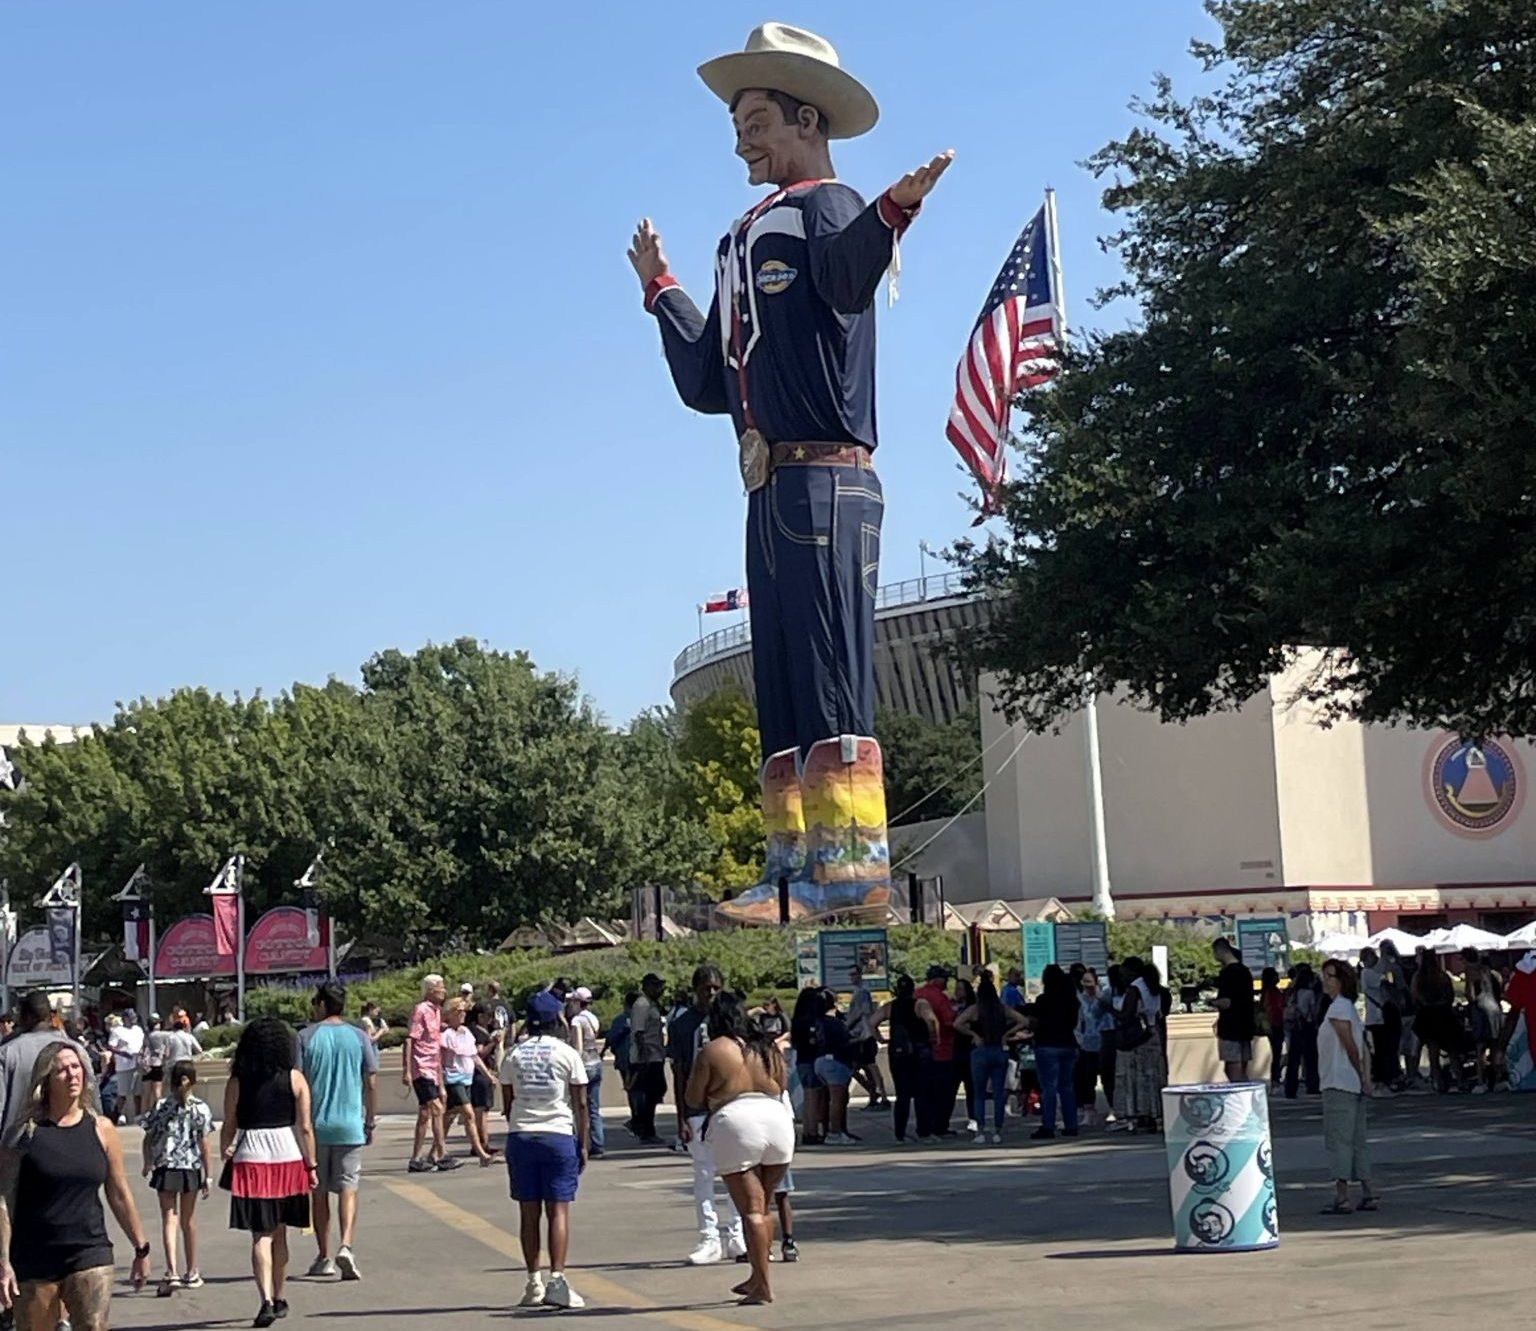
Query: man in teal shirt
{"x": 341, "y": 1065}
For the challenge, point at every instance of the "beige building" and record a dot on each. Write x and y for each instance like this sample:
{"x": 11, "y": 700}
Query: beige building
{"x": 1264, "y": 811}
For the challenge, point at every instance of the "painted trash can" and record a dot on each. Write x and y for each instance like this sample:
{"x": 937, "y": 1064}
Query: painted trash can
{"x": 1221, "y": 1171}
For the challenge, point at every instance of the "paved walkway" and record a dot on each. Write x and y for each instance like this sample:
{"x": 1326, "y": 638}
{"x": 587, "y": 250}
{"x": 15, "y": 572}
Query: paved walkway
{"x": 1060, "y": 1234}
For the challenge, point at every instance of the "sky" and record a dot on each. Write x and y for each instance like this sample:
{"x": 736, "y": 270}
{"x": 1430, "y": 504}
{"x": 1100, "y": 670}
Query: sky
{"x": 318, "y": 335}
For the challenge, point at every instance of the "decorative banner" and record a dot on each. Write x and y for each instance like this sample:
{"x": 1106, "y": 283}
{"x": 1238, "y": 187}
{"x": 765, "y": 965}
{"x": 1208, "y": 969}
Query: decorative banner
{"x": 1039, "y": 952}
{"x": 61, "y": 936}
{"x": 844, "y": 949}
{"x": 136, "y": 930}
{"x": 1263, "y": 941}
{"x": 1221, "y": 1171}
{"x": 189, "y": 951}
{"x": 1086, "y": 942}
{"x": 226, "y": 924}
{"x": 279, "y": 943}
{"x": 31, "y": 964}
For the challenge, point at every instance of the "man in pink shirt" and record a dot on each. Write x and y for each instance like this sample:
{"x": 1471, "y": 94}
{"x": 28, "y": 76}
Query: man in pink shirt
{"x": 422, "y": 1070}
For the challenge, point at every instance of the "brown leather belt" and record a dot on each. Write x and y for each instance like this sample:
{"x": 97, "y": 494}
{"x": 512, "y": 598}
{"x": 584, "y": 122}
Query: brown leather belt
{"x": 821, "y": 455}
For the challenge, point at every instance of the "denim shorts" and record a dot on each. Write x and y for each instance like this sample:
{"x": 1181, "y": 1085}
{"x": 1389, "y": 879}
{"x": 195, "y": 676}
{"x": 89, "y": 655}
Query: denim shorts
{"x": 831, "y": 1072}
{"x": 810, "y": 1079}
{"x": 544, "y": 1166}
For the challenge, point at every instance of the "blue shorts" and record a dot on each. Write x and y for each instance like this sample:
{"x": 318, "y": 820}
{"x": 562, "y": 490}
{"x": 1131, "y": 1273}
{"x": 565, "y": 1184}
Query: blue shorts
{"x": 543, "y": 1166}
{"x": 831, "y": 1072}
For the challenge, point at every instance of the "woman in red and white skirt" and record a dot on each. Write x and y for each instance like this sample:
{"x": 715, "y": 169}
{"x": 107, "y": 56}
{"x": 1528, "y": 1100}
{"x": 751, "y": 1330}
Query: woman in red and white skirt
{"x": 269, "y": 1140}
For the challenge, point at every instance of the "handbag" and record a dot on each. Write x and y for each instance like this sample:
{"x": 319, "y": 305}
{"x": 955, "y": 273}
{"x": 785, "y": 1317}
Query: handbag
{"x": 227, "y": 1174}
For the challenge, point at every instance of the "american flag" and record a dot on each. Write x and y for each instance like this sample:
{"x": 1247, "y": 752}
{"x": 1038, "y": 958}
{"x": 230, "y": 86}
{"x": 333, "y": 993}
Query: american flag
{"x": 735, "y": 599}
{"x": 1015, "y": 345}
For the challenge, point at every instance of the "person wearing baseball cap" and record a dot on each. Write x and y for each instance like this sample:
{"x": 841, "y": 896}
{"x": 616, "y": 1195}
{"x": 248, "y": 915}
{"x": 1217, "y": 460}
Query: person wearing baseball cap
{"x": 587, "y": 1038}
{"x": 546, "y": 1146}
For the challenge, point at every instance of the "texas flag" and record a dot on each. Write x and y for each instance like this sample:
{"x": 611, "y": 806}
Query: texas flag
{"x": 735, "y": 599}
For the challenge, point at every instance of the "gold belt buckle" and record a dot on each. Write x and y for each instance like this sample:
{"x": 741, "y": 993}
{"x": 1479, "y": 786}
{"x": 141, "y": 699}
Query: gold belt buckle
{"x": 753, "y": 459}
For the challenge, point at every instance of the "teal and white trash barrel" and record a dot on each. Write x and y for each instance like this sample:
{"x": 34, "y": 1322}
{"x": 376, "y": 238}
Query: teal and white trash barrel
{"x": 1221, "y": 1171}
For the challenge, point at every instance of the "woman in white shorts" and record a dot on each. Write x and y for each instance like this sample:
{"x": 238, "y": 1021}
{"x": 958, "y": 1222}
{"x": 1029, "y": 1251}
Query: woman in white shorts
{"x": 740, "y": 1077}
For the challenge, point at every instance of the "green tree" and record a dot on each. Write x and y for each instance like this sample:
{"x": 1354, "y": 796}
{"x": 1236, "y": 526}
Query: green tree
{"x": 1319, "y": 431}
{"x": 931, "y": 770}
{"x": 719, "y": 788}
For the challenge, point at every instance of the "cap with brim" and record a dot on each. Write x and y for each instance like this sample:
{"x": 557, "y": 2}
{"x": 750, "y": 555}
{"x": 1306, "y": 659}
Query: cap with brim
{"x": 652, "y": 978}
{"x": 938, "y": 972}
{"x": 544, "y": 1009}
{"x": 582, "y": 994}
{"x": 780, "y": 58}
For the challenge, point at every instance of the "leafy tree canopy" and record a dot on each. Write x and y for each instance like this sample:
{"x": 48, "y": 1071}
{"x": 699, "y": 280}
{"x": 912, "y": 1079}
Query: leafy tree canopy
{"x": 1320, "y": 432}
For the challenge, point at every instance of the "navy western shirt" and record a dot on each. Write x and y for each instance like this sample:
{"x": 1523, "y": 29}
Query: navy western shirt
{"x": 792, "y": 322}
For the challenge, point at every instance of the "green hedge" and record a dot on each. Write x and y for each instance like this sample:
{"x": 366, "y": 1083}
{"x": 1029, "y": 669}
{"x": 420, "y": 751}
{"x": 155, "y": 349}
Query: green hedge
{"x": 756, "y": 961}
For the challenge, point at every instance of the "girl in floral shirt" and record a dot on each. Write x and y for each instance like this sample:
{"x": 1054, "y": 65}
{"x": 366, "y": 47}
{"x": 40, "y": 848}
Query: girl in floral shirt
{"x": 178, "y": 1161}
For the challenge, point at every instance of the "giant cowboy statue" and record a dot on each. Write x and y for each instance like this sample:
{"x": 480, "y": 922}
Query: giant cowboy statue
{"x": 787, "y": 350}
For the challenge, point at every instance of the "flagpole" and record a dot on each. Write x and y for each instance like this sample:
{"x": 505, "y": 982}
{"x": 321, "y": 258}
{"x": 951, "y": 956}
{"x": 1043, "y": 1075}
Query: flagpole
{"x": 74, "y": 1011}
{"x": 150, "y": 906}
{"x": 1098, "y": 839}
{"x": 240, "y": 938}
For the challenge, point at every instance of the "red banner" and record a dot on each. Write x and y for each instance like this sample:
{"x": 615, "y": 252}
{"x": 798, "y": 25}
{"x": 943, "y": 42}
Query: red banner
{"x": 281, "y": 941}
{"x": 188, "y": 951}
{"x": 226, "y": 922}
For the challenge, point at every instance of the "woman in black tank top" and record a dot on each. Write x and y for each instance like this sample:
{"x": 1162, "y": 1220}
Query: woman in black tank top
{"x": 57, "y": 1161}
{"x": 269, "y": 1141}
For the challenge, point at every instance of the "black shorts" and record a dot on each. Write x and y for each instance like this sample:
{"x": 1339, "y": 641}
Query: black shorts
{"x": 482, "y": 1095}
{"x": 426, "y": 1090}
{"x": 154, "y": 1074}
{"x": 458, "y": 1093}
{"x": 865, "y": 1052}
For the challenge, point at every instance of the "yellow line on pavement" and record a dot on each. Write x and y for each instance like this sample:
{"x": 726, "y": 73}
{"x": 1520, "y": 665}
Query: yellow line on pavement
{"x": 499, "y": 1240}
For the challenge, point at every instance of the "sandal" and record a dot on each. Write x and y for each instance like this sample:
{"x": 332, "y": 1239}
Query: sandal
{"x": 1338, "y": 1208}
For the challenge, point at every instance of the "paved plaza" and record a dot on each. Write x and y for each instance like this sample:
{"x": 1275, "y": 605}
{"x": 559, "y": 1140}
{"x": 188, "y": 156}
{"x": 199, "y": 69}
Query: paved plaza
{"x": 1059, "y": 1233}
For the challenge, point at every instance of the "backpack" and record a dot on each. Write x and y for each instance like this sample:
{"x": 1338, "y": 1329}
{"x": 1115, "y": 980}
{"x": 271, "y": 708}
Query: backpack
{"x": 1130, "y": 1027}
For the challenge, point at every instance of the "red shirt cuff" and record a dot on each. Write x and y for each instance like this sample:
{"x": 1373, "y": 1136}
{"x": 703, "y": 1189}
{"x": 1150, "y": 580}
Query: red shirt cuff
{"x": 894, "y": 215}
{"x": 656, "y": 286}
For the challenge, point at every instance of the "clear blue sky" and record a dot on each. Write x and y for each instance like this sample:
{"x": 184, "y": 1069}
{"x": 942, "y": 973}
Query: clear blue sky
{"x": 319, "y": 337}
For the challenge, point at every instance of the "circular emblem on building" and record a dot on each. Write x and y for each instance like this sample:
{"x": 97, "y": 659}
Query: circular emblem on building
{"x": 1474, "y": 789}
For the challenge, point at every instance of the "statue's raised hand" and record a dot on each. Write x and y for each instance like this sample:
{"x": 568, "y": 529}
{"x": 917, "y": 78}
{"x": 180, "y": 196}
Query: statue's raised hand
{"x": 645, "y": 254}
{"x": 915, "y": 186}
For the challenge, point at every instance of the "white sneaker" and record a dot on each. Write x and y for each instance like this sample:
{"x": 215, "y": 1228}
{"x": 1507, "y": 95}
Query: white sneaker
{"x": 346, "y": 1263}
{"x": 981, "y": 1139}
{"x": 735, "y": 1247}
{"x": 841, "y": 1139}
{"x": 997, "y": 1139}
{"x": 533, "y": 1292}
{"x": 970, "y": 1125}
{"x": 561, "y": 1295}
{"x": 322, "y": 1266}
{"x": 708, "y": 1251}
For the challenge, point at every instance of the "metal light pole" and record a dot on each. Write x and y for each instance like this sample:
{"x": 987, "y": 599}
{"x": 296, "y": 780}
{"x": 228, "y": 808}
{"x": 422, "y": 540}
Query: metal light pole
{"x": 66, "y": 894}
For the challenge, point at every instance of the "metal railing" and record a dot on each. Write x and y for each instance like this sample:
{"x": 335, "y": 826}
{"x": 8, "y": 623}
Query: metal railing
{"x": 912, "y": 591}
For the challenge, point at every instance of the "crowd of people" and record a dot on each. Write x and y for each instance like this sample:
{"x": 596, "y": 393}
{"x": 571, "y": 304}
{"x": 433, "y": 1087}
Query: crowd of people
{"x": 300, "y": 1107}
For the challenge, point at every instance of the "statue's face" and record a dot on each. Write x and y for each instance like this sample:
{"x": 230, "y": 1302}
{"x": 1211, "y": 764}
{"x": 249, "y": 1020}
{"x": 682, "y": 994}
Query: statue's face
{"x": 770, "y": 148}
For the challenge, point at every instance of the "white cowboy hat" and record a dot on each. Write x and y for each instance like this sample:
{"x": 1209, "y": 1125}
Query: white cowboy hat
{"x": 780, "y": 58}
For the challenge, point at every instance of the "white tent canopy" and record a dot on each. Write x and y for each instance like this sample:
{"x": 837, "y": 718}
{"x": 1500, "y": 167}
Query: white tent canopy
{"x": 1525, "y": 937}
{"x": 1339, "y": 945}
{"x": 1460, "y": 936}
{"x": 1405, "y": 943}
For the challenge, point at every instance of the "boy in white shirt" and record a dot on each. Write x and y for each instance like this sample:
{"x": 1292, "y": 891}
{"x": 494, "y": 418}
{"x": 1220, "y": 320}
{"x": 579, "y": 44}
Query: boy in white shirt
{"x": 546, "y": 1145}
